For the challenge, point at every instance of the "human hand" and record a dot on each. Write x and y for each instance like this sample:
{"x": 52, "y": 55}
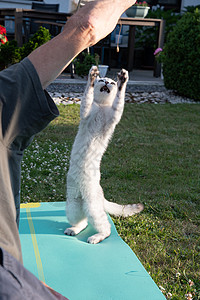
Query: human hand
{"x": 100, "y": 16}
{"x": 56, "y": 294}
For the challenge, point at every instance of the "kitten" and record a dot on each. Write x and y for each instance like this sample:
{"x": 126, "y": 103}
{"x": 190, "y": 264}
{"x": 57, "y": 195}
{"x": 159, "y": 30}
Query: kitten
{"x": 101, "y": 109}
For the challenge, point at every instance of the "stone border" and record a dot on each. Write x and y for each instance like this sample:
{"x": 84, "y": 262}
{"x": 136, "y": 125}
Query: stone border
{"x": 139, "y": 95}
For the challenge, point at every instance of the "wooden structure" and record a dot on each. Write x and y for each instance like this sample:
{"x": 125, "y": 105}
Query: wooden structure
{"x": 21, "y": 16}
{"x": 59, "y": 19}
{"x": 132, "y": 22}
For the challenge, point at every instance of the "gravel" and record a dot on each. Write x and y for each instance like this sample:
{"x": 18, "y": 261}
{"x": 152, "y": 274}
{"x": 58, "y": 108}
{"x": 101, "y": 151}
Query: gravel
{"x": 67, "y": 93}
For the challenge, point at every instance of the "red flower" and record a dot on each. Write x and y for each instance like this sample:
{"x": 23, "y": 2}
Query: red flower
{"x": 4, "y": 40}
{"x": 2, "y": 30}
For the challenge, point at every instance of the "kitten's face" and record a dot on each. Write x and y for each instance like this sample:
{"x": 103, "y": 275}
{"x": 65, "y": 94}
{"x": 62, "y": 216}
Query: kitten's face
{"x": 105, "y": 90}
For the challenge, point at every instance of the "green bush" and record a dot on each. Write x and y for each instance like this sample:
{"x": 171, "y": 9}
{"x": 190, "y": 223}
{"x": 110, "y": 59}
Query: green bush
{"x": 84, "y": 63}
{"x": 181, "y": 63}
{"x": 147, "y": 36}
{"x": 39, "y": 38}
{"x": 10, "y": 53}
{"x": 191, "y": 8}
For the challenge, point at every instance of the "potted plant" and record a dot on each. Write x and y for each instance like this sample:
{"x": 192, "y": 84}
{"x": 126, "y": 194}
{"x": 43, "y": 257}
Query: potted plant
{"x": 138, "y": 10}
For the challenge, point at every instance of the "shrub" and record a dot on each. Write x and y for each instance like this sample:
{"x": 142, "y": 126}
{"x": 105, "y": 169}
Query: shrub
{"x": 84, "y": 63}
{"x": 10, "y": 53}
{"x": 181, "y": 63}
{"x": 191, "y": 8}
{"x": 39, "y": 38}
{"x": 147, "y": 36}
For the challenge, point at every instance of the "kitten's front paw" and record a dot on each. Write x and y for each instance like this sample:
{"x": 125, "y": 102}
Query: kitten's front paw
{"x": 93, "y": 74}
{"x": 122, "y": 78}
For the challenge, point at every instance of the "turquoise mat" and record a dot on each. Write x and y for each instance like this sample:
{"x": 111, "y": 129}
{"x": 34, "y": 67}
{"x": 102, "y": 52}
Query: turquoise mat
{"x": 76, "y": 269}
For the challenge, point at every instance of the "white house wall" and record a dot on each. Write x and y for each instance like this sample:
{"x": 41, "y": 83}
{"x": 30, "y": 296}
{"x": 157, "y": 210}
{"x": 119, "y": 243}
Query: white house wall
{"x": 67, "y": 6}
{"x": 15, "y": 4}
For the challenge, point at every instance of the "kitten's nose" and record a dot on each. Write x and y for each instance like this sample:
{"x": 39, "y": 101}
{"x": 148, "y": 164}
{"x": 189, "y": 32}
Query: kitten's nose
{"x": 106, "y": 82}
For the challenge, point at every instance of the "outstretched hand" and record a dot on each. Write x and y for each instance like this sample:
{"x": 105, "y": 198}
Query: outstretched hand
{"x": 101, "y": 16}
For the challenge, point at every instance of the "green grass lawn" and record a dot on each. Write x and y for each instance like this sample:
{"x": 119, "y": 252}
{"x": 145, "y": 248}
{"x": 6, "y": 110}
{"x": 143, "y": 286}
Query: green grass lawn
{"x": 153, "y": 158}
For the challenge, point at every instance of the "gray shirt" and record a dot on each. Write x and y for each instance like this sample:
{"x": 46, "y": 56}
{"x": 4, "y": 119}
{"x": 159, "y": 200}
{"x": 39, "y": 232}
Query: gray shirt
{"x": 25, "y": 109}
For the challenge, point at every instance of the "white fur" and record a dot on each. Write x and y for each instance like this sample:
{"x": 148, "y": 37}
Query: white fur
{"x": 100, "y": 112}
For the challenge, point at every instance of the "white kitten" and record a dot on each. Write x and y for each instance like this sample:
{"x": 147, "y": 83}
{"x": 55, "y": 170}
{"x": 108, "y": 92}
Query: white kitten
{"x": 101, "y": 109}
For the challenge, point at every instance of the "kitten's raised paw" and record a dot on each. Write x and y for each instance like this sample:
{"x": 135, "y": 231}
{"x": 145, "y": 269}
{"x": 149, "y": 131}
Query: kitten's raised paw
{"x": 122, "y": 78}
{"x": 94, "y": 73}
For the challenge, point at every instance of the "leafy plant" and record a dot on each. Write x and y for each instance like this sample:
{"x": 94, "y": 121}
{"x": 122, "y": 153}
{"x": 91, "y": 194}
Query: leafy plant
{"x": 84, "y": 63}
{"x": 39, "y": 38}
{"x": 10, "y": 53}
{"x": 158, "y": 53}
{"x": 181, "y": 54}
{"x": 191, "y": 8}
{"x": 146, "y": 36}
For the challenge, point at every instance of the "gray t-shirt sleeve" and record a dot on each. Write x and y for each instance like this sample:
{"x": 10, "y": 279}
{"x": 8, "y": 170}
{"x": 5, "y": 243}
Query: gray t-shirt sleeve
{"x": 27, "y": 108}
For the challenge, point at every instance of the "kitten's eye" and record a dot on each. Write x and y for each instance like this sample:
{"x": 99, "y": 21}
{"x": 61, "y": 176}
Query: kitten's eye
{"x": 113, "y": 83}
{"x": 101, "y": 80}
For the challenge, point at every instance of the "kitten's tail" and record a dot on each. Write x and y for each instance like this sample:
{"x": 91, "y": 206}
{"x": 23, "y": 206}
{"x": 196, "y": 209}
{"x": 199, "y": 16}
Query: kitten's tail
{"x": 122, "y": 210}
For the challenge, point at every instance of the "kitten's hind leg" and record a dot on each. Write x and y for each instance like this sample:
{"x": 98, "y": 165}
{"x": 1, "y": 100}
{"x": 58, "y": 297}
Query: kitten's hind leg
{"x": 102, "y": 225}
{"x": 74, "y": 212}
{"x": 97, "y": 217}
{"x": 74, "y": 230}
